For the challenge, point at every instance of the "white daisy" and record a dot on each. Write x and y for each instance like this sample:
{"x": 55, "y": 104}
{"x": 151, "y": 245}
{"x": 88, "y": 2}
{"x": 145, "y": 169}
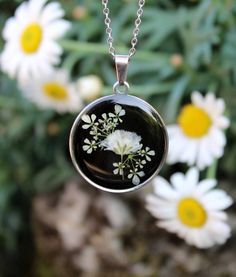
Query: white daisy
{"x": 90, "y": 87}
{"x": 122, "y": 142}
{"x": 198, "y": 136}
{"x": 191, "y": 209}
{"x": 53, "y": 92}
{"x": 31, "y": 49}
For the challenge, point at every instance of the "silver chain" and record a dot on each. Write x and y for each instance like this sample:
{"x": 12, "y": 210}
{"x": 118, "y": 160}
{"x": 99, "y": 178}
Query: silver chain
{"x": 137, "y": 23}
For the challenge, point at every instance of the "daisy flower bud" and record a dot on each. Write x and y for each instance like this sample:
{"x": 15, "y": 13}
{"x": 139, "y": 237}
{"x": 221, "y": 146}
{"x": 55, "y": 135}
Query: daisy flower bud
{"x": 90, "y": 87}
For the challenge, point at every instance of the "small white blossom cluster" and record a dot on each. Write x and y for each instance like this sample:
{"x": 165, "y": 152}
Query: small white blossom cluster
{"x": 104, "y": 136}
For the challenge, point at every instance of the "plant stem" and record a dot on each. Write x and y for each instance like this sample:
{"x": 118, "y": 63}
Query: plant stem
{"x": 211, "y": 171}
{"x": 98, "y": 48}
{"x": 123, "y": 177}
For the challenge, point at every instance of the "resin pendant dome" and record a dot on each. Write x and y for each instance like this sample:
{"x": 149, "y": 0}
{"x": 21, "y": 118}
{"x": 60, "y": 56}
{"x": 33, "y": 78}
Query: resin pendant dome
{"x": 118, "y": 143}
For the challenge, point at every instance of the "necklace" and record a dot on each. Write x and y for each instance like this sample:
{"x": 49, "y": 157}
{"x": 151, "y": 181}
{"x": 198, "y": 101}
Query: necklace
{"x": 119, "y": 142}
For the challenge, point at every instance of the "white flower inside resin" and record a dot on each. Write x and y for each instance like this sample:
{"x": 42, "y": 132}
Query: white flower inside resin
{"x": 122, "y": 142}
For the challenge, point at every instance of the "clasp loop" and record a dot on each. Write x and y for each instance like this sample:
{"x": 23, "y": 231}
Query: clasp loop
{"x": 121, "y": 89}
{"x": 121, "y": 62}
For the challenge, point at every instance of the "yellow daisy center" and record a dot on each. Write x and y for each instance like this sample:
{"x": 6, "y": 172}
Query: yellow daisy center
{"x": 191, "y": 213}
{"x": 55, "y": 91}
{"x": 31, "y": 38}
{"x": 194, "y": 121}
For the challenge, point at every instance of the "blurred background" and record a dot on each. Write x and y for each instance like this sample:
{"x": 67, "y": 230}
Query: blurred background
{"x": 54, "y": 224}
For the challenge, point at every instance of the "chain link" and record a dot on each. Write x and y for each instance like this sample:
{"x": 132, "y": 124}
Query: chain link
{"x": 137, "y": 23}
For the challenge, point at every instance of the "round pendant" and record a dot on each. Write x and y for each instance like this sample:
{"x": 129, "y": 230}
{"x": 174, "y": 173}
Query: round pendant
{"x": 118, "y": 143}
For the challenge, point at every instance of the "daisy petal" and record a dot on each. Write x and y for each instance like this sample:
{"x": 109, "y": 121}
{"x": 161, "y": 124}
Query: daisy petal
{"x": 178, "y": 181}
{"x": 217, "y": 200}
{"x": 163, "y": 189}
{"x": 169, "y": 225}
{"x": 192, "y": 177}
{"x": 220, "y": 231}
{"x": 206, "y": 185}
{"x": 197, "y": 98}
{"x": 52, "y": 12}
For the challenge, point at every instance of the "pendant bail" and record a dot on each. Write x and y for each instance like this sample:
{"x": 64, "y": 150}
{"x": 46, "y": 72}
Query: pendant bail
{"x": 121, "y": 62}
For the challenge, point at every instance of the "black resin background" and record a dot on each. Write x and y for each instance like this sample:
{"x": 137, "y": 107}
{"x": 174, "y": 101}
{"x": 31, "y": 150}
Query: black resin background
{"x": 139, "y": 118}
